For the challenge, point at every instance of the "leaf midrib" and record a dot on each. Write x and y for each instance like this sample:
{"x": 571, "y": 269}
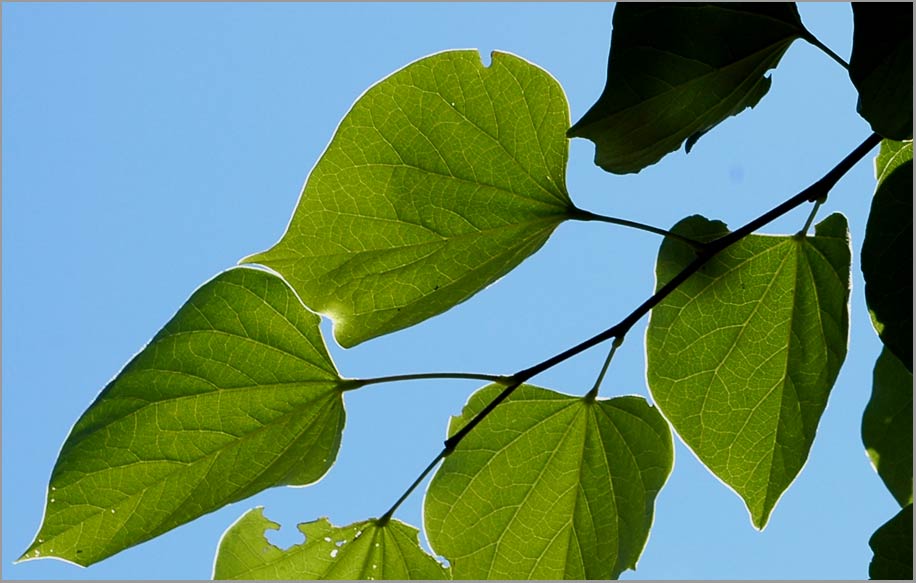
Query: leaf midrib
{"x": 208, "y": 394}
{"x": 292, "y": 253}
{"x": 209, "y": 456}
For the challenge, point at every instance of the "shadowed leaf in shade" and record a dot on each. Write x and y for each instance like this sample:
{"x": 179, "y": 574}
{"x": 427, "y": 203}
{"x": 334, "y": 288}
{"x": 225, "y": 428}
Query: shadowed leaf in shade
{"x": 881, "y": 66}
{"x": 887, "y": 251}
{"x": 887, "y": 426}
{"x": 675, "y": 71}
{"x": 892, "y": 545}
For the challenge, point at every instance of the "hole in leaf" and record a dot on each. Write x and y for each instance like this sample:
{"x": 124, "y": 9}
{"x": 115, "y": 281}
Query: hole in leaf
{"x": 285, "y": 537}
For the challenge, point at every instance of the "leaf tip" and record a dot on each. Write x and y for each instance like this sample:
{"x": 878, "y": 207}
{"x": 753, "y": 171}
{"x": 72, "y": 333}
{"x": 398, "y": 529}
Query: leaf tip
{"x": 254, "y": 258}
{"x": 693, "y": 138}
{"x": 37, "y": 551}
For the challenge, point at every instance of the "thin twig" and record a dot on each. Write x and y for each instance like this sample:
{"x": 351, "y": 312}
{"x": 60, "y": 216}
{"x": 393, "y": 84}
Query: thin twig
{"x": 814, "y": 41}
{"x": 583, "y": 215}
{"x": 811, "y": 215}
{"x": 590, "y": 396}
{"x": 384, "y": 518}
{"x": 351, "y": 384}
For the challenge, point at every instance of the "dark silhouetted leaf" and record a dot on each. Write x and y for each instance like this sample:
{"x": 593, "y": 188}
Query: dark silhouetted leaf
{"x": 742, "y": 355}
{"x": 677, "y": 70}
{"x": 887, "y": 252}
{"x": 887, "y": 426}
{"x": 881, "y": 66}
{"x": 893, "y": 548}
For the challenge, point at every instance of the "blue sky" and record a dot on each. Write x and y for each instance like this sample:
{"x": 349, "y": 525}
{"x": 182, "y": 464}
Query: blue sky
{"x": 147, "y": 147}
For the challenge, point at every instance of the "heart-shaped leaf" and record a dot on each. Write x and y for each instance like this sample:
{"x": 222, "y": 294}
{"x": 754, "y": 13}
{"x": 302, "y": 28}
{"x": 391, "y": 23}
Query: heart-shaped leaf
{"x": 237, "y": 393}
{"x": 441, "y": 179}
{"x": 742, "y": 355}
{"x": 677, "y": 70}
{"x": 549, "y": 486}
{"x": 365, "y": 550}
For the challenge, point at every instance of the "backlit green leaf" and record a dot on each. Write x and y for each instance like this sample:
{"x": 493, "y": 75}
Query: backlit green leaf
{"x": 887, "y": 426}
{"x": 549, "y": 486}
{"x": 237, "y": 393}
{"x": 441, "y": 179}
{"x": 881, "y": 66}
{"x": 893, "y": 548}
{"x": 887, "y": 252}
{"x": 364, "y": 550}
{"x": 677, "y": 70}
{"x": 742, "y": 356}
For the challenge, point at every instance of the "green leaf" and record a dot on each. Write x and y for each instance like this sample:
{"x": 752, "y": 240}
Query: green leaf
{"x": 364, "y": 550}
{"x": 893, "y": 548}
{"x": 677, "y": 70}
{"x": 887, "y": 252}
{"x": 441, "y": 179}
{"x": 887, "y": 426}
{"x": 237, "y": 393}
{"x": 549, "y": 486}
{"x": 741, "y": 357}
{"x": 881, "y": 66}
{"x": 891, "y": 156}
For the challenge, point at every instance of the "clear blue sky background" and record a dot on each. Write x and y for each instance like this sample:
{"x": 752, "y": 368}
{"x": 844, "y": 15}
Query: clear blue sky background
{"x": 147, "y": 147}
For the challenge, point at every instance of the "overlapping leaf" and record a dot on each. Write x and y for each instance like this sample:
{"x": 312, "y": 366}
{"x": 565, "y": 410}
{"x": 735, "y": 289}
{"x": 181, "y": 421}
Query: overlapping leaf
{"x": 742, "y": 356}
{"x": 893, "y": 548}
{"x": 549, "y": 486}
{"x": 887, "y": 252}
{"x": 677, "y": 70}
{"x": 881, "y": 66}
{"x": 365, "y": 550}
{"x": 237, "y": 393}
{"x": 887, "y": 426}
{"x": 441, "y": 179}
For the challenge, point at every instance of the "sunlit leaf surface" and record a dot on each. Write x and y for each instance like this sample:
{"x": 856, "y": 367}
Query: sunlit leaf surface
{"x": 237, "y": 393}
{"x": 742, "y": 356}
{"x": 549, "y": 486}
{"x": 442, "y": 178}
{"x": 365, "y": 550}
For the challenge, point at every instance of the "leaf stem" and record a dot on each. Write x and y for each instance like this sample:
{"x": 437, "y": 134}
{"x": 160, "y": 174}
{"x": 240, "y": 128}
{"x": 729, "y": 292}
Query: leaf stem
{"x": 384, "y": 518}
{"x": 817, "y": 43}
{"x": 592, "y": 394}
{"x": 811, "y": 215}
{"x": 583, "y": 215}
{"x": 815, "y": 192}
{"x": 351, "y": 384}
